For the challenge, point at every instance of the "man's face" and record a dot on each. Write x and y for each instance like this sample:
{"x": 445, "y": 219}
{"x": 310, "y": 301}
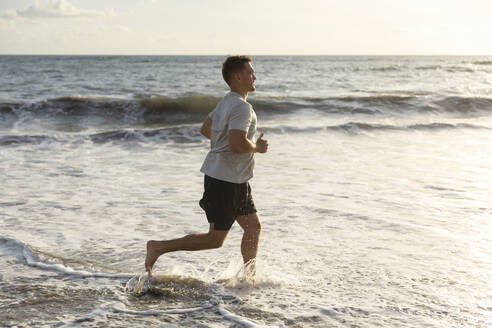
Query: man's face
{"x": 247, "y": 77}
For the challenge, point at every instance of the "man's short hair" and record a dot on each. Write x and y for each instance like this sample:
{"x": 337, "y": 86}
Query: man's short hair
{"x": 233, "y": 64}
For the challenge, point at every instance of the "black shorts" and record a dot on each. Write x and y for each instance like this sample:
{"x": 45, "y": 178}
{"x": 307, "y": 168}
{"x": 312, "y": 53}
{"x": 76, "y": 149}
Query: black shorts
{"x": 224, "y": 201}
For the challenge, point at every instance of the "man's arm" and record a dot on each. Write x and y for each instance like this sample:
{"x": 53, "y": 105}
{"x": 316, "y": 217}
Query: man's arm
{"x": 207, "y": 128}
{"x": 240, "y": 144}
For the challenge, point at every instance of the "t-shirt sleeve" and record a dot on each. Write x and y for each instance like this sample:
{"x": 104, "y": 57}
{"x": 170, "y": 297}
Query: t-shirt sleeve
{"x": 240, "y": 118}
{"x": 211, "y": 113}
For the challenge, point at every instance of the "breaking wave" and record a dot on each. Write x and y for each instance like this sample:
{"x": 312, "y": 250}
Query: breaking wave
{"x": 88, "y": 111}
{"x": 131, "y": 119}
{"x": 160, "y": 108}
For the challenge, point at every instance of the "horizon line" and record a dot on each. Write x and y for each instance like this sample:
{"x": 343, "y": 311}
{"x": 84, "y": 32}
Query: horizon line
{"x": 257, "y": 55}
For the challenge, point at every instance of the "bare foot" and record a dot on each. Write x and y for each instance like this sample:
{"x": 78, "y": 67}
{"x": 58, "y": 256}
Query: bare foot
{"x": 150, "y": 258}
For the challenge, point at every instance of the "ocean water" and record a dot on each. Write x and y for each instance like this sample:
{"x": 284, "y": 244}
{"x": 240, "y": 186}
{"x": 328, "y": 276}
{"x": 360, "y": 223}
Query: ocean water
{"x": 374, "y": 197}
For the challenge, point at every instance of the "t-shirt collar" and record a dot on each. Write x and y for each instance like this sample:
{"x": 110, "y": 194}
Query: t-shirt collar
{"x": 234, "y": 93}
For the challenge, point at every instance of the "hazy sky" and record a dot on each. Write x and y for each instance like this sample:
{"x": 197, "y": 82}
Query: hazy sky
{"x": 248, "y": 27}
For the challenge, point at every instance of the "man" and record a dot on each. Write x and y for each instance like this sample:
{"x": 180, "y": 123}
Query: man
{"x": 227, "y": 168}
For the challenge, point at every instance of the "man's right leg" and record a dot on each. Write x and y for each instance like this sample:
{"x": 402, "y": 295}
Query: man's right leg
{"x": 251, "y": 237}
{"x": 194, "y": 242}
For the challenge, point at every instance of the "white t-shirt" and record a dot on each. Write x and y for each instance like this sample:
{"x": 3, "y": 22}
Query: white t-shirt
{"x": 231, "y": 113}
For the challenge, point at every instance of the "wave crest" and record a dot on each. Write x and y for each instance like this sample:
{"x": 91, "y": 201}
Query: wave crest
{"x": 483, "y": 62}
{"x": 76, "y": 113}
{"x": 200, "y": 104}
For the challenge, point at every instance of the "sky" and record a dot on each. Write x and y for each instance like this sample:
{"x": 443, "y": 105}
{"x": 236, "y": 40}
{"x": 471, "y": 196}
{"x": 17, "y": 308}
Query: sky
{"x": 254, "y": 27}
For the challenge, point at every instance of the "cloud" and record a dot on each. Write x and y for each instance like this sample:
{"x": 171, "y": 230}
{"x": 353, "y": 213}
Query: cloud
{"x": 56, "y": 9}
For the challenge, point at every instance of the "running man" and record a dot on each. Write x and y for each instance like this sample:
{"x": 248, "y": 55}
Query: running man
{"x": 228, "y": 166}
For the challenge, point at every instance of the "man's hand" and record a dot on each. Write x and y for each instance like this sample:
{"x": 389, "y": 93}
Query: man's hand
{"x": 240, "y": 144}
{"x": 206, "y": 129}
{"x": 261, "y": 144}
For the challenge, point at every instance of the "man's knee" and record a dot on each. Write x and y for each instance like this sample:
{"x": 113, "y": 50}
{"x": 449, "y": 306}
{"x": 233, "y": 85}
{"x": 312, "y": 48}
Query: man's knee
{"x": 216, "y": 241}
{"x": 254, "y": 225}
{"x": 257, "y": 227}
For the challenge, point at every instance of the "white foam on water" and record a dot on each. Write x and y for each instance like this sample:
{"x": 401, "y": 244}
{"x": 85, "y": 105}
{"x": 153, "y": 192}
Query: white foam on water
{"x": 120, "y": 307}
{"x": 18, "y": 249}
{"x": 238, "y": 319}
{"x": 137, "y": 284}
{"x": 97, "y": 312}
{"x": 219, "y": 298}
{"x": 182, "y": 285}
{"x": 239, "y": 276}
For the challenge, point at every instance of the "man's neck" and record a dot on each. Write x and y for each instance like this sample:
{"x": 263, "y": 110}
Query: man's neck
{"x": 243, "y": 94}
